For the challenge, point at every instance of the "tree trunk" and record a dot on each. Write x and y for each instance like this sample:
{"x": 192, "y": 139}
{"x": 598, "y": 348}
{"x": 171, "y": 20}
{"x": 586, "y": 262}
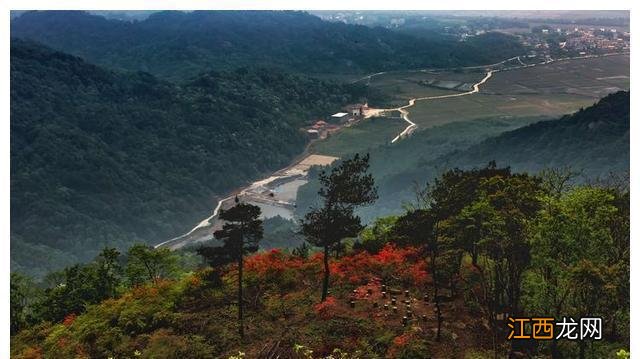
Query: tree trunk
{"x": 240, "y": 300}
{"x": 325, "y": 281}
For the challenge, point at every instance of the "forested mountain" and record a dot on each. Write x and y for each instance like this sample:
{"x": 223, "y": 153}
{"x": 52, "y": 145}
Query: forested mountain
{"x": 558, "y": 250}
{"x": 175, "y": 45}
{"x": 594, "y": 141}
{"x": 106, "y": 158}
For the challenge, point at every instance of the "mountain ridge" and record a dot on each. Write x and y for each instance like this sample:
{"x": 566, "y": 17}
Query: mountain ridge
{"x": 178, "y": 45}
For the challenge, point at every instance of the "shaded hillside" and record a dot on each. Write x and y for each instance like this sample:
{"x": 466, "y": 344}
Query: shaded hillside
{"x": 99, "y": 157}
{"x": 594, "y": 141}
{"x": 175, "y": 45}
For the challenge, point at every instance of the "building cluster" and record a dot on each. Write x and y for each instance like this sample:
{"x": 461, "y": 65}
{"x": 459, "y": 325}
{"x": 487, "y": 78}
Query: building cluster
{"x": 320, "y": 129}
{"x": 351, "y": 114}
{"x": 546, "y": 40}
{"x": 596, "y": 39}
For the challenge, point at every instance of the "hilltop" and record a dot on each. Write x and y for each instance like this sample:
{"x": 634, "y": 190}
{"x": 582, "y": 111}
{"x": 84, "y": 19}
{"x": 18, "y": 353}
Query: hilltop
{"x": 177, "y": 45}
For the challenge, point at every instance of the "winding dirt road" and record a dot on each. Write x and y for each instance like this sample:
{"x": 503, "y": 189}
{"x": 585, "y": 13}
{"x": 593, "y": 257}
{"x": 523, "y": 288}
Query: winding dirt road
{"x": 476, "y": 87}
{"x": 405, "y": 114}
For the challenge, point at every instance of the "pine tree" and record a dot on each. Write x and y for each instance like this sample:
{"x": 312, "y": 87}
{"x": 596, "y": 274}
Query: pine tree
{"x": 240, "y": 234}
{"x": 345, "y": 188}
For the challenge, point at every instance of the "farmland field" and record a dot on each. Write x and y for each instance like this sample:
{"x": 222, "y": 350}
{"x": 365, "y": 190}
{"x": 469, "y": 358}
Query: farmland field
{"x": 593, "y": 77}
{"x": 368, "y": 134}
{"x": 432, "y": 113}
{"x": 400, "y": 86}
{"x": 549, "y": 90}
{"x": 552, "y": 89}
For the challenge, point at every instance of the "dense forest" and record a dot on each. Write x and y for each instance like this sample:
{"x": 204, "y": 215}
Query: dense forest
{"x": 108, "y": 158}
{"x": 435, "y": 281}
{"x": 593, "y": 142}
{"x": 177, "y": 45}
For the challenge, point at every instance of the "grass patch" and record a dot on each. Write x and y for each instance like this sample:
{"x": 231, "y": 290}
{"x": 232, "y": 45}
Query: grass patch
{"x": 362, "y": 137}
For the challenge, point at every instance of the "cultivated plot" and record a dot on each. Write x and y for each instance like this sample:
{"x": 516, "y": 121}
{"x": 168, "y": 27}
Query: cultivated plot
{"x": 593, "y": 77}
{"x": 553, "y": 89}
{"x": 368, "y": 134}
{"x": 432, "y": 113}
{"x": 403, "y": 86}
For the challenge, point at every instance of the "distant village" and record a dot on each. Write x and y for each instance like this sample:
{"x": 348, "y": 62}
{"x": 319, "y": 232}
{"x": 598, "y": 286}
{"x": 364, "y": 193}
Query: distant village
{"x": 580, "y": 40}
{"x": 324, "y": 127}
{"x": 549, "y": 38}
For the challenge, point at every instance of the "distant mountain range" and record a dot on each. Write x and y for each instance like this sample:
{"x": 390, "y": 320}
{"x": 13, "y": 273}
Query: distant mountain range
{"x": 177, "y": 45}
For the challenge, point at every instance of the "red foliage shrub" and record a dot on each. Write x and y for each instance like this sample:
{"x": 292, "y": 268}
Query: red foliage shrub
{"x": 272, "y": 263}
{"x": 62, "y": 342}
{"x": 327, "y": 308}
{"x": 69, "y": 319}
{"x": 195, "y": 281}
{"x": 405, "y": 264}
{"x": 151, "y": 290}
{"x": 402, "y": 340}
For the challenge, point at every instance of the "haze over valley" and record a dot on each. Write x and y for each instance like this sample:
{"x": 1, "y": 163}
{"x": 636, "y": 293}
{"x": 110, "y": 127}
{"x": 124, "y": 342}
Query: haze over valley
{"x": 142, "y": 133}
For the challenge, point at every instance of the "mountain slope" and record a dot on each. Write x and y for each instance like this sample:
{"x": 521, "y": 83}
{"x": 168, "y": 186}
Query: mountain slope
{"x": 177, "y": 45}
{"x": 594, "y": 140}
{"x": 102, "y": 158}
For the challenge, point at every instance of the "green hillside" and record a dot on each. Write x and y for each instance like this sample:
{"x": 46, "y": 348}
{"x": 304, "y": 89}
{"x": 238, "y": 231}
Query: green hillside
{"x": 106, "y": 158}
{"x": 594, "y": 141}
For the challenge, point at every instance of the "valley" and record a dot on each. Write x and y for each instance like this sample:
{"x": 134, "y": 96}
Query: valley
{"x": 316, "y": 185}
{"x": 507, "y": 90}
{"x": 514, "y": 90}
